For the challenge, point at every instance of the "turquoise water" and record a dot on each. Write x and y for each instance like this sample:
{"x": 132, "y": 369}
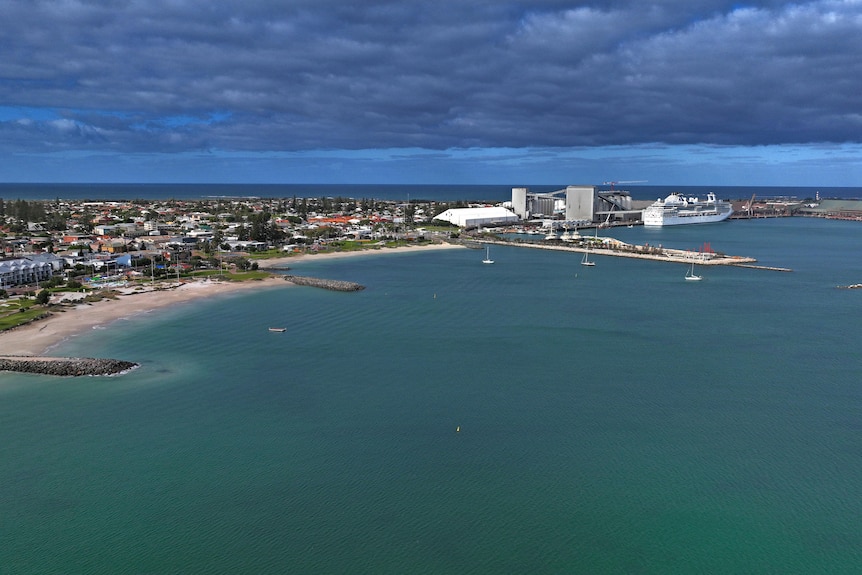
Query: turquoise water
{"x": 614, "y": 419}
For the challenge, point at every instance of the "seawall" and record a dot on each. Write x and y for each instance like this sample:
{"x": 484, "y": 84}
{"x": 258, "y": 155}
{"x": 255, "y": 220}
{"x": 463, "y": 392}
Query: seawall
{"x": 334, "y": 285}
{"x": 64, "y": 366}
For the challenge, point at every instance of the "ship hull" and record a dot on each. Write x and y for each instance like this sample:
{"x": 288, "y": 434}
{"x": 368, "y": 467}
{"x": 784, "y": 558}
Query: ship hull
{"x": 676, "y": 220}
{"x": 676, "y": 210}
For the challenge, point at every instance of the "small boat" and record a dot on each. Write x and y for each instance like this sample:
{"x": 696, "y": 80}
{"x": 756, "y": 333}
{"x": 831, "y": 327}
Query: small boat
{"x": 691, "y": 276}
{"x": 487, "y": 259}
{"x": 278, "y": 329}
{"x": 586, "y": 261}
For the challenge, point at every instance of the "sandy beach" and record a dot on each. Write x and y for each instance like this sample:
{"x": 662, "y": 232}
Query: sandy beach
{"x": 39, "y": 337}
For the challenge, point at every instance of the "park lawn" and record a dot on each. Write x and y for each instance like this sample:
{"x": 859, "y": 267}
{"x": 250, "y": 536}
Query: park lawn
{"x": 268, "y": 254}
{"x": 238, "y": 276}
{"x": 245, "y": 276}
{"x": 16, "y": 318}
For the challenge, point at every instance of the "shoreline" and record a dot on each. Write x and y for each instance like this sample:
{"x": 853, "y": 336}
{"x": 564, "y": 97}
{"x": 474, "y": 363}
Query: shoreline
{"x": 39, "y": 337}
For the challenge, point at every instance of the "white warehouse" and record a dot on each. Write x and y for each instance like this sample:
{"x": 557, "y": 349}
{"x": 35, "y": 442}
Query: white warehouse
{"x": 472, "y": 217}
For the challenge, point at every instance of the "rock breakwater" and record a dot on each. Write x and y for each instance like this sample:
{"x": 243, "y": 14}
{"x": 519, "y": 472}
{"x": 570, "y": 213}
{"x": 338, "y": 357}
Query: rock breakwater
{"x": 334, "y": 285}
{"x": 65, "y": 366}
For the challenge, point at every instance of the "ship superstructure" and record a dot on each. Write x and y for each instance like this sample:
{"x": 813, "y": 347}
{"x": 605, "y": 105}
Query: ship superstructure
{"x": 676, "y": 209}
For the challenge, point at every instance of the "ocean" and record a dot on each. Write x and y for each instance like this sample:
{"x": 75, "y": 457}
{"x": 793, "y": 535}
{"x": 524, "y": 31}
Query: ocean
{"x": 391, "y": 192}
{"x": 531, "y": 416}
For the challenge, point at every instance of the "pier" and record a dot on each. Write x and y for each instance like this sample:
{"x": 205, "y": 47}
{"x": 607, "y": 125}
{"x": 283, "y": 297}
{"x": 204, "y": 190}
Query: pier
{"x": 615, "y": 248}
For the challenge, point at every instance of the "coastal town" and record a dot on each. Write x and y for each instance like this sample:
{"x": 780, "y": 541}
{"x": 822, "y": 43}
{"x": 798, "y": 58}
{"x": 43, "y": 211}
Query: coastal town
{"x": 61, "y": 245}
{"x": 59, "y": 257}
{"x": 100, "y": 243}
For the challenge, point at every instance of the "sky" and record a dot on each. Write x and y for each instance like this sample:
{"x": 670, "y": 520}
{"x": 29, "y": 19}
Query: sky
{"x": 687, "y": 92}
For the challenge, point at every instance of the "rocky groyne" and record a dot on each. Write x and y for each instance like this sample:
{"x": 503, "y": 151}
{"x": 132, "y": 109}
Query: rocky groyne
{"x": 65, "y": 366}
{"x": 334, "y": 285}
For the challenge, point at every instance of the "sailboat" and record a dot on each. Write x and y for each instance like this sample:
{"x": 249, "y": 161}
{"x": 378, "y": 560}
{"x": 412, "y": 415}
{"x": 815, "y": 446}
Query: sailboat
{"x": 487, "y": 259}
{"x": 586, "y": 261}
{"x": 690, "y": 275}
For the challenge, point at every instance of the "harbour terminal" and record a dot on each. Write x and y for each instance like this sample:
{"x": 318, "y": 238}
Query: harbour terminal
{"x": 558, "y": 218}
{"x": 584, "y": 206}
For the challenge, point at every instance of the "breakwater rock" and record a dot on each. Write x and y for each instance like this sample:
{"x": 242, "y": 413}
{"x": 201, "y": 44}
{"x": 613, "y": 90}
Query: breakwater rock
{"x": 65, "y": 366}
{"x": 334, "y": 285}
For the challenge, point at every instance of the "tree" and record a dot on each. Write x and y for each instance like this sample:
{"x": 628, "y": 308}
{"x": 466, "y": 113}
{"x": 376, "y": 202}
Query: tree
{"x": 56, "y": 221}
{"x": 85, "y": 221}
{"x": 43, "y": 297}
{"x": 242, "y": 264}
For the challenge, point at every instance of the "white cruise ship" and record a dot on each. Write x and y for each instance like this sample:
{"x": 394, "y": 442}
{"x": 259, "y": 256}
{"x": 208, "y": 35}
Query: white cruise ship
{"x": 676, "y": 209}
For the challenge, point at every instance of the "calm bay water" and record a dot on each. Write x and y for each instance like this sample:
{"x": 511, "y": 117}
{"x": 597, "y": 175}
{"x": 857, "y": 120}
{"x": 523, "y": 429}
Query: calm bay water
{"x": 614, "y": 419}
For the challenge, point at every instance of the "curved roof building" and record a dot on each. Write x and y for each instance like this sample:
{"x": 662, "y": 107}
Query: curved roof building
{"x": 472, "y": 217}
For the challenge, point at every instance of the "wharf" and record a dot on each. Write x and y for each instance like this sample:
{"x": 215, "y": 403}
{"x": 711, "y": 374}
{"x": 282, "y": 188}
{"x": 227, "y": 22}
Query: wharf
{"x": 654, "y": 253}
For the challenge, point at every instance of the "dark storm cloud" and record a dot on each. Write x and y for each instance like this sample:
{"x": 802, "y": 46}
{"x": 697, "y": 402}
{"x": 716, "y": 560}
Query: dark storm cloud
{"x": 174, "y": 75}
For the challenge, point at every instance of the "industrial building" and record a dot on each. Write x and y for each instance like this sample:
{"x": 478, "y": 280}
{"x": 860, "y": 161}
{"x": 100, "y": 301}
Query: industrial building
{"x": 571, "y": 206}
{"x": 577, "y": 205}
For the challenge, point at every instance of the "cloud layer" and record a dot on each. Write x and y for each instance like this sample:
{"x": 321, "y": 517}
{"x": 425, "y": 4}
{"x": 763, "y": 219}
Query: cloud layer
{"x": 273, "y": 76}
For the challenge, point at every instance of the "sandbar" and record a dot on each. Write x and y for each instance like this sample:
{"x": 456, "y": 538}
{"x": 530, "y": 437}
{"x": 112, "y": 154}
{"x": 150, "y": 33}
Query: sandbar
{"x": 39, "y": 337}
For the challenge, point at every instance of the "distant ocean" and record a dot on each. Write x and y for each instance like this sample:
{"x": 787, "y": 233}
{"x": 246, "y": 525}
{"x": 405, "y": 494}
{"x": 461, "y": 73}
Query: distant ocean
{"x": 614, "y": 419}
{"x": 405, "y": 192}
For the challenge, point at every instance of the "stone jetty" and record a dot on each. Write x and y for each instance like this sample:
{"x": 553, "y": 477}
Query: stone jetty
{"x": 334, "y": 285}
{"x": 64, "y": 366}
